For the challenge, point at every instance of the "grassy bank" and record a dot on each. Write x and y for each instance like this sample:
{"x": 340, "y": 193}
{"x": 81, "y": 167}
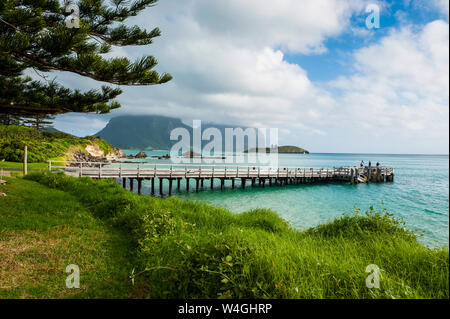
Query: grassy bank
{"x": 183, "y": 249}
{"x": 42, "y": 230}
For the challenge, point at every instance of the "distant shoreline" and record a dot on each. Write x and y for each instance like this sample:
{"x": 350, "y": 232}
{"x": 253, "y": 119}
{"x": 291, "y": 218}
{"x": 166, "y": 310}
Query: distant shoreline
{"x": 321, "y": 153}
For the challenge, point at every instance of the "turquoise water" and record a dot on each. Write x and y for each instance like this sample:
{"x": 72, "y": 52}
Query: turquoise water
{"x": 419, "y": 193}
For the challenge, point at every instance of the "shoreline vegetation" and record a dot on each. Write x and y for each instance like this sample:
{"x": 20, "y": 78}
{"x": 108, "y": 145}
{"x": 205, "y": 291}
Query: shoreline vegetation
{"x": 139, "y": 246}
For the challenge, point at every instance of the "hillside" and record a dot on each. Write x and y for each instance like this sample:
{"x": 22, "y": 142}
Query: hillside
{"x": 140, "y": 132}
{"x": 43, "y": 146}
{"x": 288, "y": 149}
{"x": 147, "y": 132}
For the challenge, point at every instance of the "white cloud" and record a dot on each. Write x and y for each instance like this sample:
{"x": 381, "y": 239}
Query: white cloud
{"x": 443, "y": 6}
{"x": 297, "y": 26}
{"x": 81, "y": 124}
{"x": 228, "y": 63}
{"x": 400, "y": 88}
{"x": 227, "y": 59}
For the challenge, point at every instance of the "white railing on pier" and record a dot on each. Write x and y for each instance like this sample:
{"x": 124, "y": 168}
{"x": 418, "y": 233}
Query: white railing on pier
{"x": 173, "y": 171}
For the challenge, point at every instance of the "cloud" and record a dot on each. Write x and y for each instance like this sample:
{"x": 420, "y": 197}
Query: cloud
{"x": 296, "y": 26}
{"x": 227, "y": 59}
{"x": 443, "y": 6}
{"x": 228, "y": 62}
{"x": 399, "y": 90}
{"x": 81, "y": 124}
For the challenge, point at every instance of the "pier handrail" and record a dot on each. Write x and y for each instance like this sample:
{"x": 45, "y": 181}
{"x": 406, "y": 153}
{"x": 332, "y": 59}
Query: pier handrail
{"x": 160, "y": 171}
{"x": 216, "y": 167}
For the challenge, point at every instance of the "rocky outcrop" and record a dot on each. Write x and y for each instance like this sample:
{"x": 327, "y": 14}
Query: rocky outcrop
{"x": 141, "y": 155}
{"x": 93, "y": 153}
{"x": 167, "y": 156}
{"x": 80, "y": 156}
{"x": 138, "y": 155}
{"x": 94, "y": 150}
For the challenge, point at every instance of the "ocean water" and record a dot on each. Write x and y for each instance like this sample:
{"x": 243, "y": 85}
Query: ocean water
{"x": 419, "y": 193}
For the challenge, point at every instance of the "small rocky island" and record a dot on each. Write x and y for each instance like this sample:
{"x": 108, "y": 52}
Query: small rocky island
{"x": 142, "y": 155}
{"x": 288, "y": 149}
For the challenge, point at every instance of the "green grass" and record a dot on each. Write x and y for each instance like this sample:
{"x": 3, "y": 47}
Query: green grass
{"x": 42, "y": 146}
{"x": 191, "y": 250}
{"x": 18, "y": 165}
{"x": 42, "y": 230}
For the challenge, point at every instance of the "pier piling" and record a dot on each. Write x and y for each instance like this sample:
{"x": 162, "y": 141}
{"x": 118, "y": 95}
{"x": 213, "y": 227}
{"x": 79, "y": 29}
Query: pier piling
{"x": 140, "y": 186}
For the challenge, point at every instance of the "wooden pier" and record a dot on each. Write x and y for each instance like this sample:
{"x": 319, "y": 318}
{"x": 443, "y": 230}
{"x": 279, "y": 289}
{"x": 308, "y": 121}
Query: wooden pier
{"x": 244, "y": 175}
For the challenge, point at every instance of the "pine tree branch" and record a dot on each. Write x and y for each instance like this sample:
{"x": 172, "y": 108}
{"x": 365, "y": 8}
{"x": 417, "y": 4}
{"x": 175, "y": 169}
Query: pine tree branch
{"x": 33, "y": 35}
{"x": 9, "y": 24}
{"x": 24, "y": 57}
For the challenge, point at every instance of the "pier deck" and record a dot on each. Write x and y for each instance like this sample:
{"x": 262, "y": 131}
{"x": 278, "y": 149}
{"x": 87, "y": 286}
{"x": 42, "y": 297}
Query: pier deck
{"x": 262, "y": 174}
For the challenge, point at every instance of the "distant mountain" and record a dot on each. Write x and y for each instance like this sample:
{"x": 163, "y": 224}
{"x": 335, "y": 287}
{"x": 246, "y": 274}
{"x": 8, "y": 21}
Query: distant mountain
{"x": 146, "y": 132}
{"x": 143, "y": 132}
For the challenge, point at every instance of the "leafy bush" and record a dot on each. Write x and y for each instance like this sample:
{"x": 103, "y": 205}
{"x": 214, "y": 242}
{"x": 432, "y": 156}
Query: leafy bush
{"x": 364, "y": 226}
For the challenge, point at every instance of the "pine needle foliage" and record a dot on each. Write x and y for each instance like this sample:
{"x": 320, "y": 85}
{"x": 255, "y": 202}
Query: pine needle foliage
{"x": 35, "y": 35}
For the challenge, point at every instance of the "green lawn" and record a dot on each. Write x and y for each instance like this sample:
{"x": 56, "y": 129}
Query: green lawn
{"x": 178, "y": 249}
{"x": 4, "y": 164}
{"x": 42, "y": 230}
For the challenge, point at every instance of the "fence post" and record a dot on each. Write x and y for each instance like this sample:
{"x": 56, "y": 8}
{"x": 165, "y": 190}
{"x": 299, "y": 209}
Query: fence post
{"x": 25, "y": 151}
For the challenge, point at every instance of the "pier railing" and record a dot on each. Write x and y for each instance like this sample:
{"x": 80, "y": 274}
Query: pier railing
{"x": 152, "y": 170}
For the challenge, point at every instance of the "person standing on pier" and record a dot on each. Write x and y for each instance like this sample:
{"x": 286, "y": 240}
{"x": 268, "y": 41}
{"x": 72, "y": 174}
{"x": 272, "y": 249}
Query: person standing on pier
{"x": 362, "y": 164}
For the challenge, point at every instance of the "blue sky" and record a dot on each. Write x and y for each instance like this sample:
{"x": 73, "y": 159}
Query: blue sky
{"x": 337, "y": 61}
{"x": 310, "y": 68}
